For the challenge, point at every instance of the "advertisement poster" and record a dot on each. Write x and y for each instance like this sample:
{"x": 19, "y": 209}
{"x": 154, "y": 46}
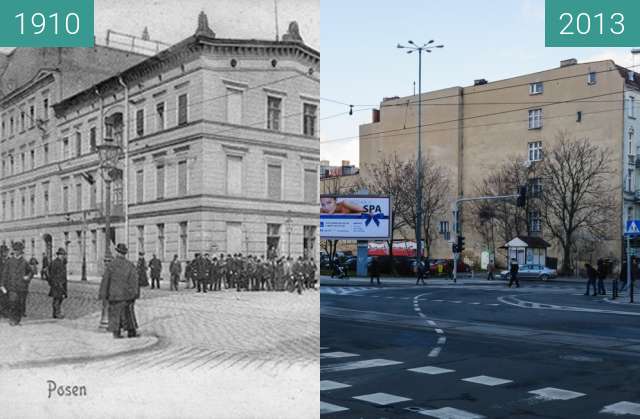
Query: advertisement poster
{"x": 355, "y": 217}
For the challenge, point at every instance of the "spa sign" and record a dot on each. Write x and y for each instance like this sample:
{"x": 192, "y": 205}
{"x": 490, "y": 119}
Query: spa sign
{"x": 355, "y": 217}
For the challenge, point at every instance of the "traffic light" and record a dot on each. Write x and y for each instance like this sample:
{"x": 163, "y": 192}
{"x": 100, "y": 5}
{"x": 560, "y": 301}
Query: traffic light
{"x": 460, "y": 244}
{"x": 454, "y": 248}
{"x": 522, "y": 196}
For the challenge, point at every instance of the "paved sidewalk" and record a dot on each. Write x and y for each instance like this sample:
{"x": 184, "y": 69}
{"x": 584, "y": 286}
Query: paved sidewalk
{"x": 45, "y": 342}
{"x": 477, "y": 279}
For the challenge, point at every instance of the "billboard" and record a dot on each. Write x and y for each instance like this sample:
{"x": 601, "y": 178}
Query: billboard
{"x": 355, "y": 217}
{"x": 400, "y": 248}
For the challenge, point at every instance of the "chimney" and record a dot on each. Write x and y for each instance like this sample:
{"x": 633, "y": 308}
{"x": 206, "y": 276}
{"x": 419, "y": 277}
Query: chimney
{"x": 480, "y": 82}
{"x": 375, "y": 115}
{"x": 569, "y": 62}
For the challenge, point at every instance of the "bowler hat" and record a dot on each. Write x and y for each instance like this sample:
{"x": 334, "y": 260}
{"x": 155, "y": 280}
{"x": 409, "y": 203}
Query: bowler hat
{"x": 122, "y": 249}
{"x": 61, "y": 251}
{"x": 17, "y": 246}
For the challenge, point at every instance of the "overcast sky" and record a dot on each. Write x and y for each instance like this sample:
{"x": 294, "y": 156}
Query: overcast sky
{"x": 361, "y": 64}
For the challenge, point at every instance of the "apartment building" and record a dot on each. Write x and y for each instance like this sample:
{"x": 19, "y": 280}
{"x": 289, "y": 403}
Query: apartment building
{"x": 219, "y": 153}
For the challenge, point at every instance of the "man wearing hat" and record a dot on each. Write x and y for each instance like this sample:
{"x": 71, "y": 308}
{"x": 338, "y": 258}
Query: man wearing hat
{"x": 142, "y": 270}
{"x": 58, "y": 282}
{"x": 16, "y": 276}
{"x": 155, "y": 266}
{"x": 120, "y": 287}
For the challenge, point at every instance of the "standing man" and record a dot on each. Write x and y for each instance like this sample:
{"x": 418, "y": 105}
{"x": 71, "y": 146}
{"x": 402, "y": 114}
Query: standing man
{"x": 33, "y": 262}
{"x": 120, "y": 287}
{"x": 16, "y": 276}
{"x": 513, "y": 273}
{"x": 142, "y": 271}
{"x": 420, "y": 270}
{"x": 491, "y": 267}
{"x": 591, "y": 278}
{"x": 602, "y": 275}
{"x": 175, "y": 269}
{"x": 374, "y": 270}
{"x": 156, "y": 268}
{"x": 44, "y": 273}
{"x": 200, "y": 272}
{"x": 58, "y": 282}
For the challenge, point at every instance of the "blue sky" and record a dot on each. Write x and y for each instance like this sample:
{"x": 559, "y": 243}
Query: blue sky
{"x": 361, "y": 64}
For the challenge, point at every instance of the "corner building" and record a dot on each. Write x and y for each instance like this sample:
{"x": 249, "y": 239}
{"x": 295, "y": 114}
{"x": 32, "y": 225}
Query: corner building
{"x": 219, "y": 154}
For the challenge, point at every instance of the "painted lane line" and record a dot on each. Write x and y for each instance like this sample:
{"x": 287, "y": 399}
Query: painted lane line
{"x": 439, "y": 331}
{"x": 551, "y": 393}
{"x": 421, "y": 314}
{"x": 438, "y": 301}
{"x": 431, "y": 322}
{"x": 326, "y": 385}
{"x": 435, "y": 352}
{"x": 356, "y": 365}
{"x": 445, "y": 413}
{"x": 322, "y": 348}
{"x": 326, "y": 408}
{"x": 475, "y": 304}
{"x": 456, "y": 302}
{"x": 493, "y": 304}
{"x": 487, "y": 380}
{"x": 431, "y": 370}
{"x": 381, "y": 399}
{"x": 442, "y": 340}
{"x": 622, "y": 408}
{"x": 337, "y": 355}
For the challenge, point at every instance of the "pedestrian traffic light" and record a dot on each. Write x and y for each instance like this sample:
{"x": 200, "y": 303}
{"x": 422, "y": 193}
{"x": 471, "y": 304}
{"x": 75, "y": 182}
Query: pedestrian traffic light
{"x": 454, "y": 248}
{"x": 522, "y": 196}
{"x": 460, "y": 244}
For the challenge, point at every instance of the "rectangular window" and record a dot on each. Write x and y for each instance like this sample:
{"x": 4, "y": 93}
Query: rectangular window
{"x": 78, "y": 144}
{"x": 182, "y": 250}
{"x": 65, "y": 198}
{"x": 536, "y": 88}
{"x": 182, "y": 109}
{"x": 234, "y": 106}
{"x": 93, "y": 192}
{"x": 79, "y": 196}
{"x": 535, "y": 187}
{"x": 32, "y": 116}
{"x": 234, "y": 175}
{"x": 22, "y": 118}
{"x": 310, "y": 185}
{"x": 45, "y": 198}
{"x": 160, "y": 250}
{"x": 274, "y": 181}
{"x": 535, "y": 223}
{"x": 4, "y": 207}
{"x": 65, "y": 148}
{"x": 94, "y": 245}
{"x": 45, "y": 109}
{"x": 182, "y": 178}
{"x": 274, "y": 109}
{"x": 13, "y": 205}
{"x": 32, "y": 155}
{"x": 140, "y": 122}
{"x": 630, "y": 180}
{"x": 310, "y": 118}
{"x": 23, "y": 201}
{"x": 592, "y": 78}
{"x": 11, "y": 125}
{"x": 45, "y": 150}
{"x": 535, "y": 119}
{"x": 159, "y": 182}
{"x": 273, "y": 240}
{"x": 632, "y": 107}
{"x": 92, "y": 139}
{"x": 140, "y": 186}
{"x": 140, "y": 239}
{"x": 444, "y": 227}
{"x": 12, "y": 163}
{"x": 160, "y": 125}
{"x": 4, "y": 128}
{"x": 23, "y": 164}
{"x": 535, "y": 151}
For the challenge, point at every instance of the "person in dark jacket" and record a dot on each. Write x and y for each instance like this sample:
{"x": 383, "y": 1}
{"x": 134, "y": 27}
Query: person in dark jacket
{"x": 374, "y": 269}
{"x": 200, "y": 271}
{"x": 58, "y": 282}
{"x": 142, "y": 271}
{"x": 121, "y": 288}
{"x": 155, "y": 266}
{"x": 602, "y": 275}
{"x": 4, "y": 297}
{"x": 513, "y": 273}
{"x": 44, "y": 272}
{"x": 421, "y": 270}
{"x": 16, "y": 276}
{"x": 591, "y": 278}
{"x": 175, "y": 269}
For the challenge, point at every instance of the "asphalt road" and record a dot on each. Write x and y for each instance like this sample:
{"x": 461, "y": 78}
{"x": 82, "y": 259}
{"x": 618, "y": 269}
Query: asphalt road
{"x": 472, "y": 351}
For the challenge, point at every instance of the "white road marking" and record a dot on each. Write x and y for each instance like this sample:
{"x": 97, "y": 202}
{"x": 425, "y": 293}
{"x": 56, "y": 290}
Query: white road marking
{"x": 356, "y": 365}
{"x": 322, "y": 348}
{"x": 622, "y": 408}
{"x": 442, "y": 340}
{"x": 551, "y": 393}
{"x": 455, "y": 302}
{"x": 435, "y": 352}
{"x": 447, "y": 413}
{"x": 440, "y": 331}
{"x": 430, "y": 370}
{"x": 326, "y": 408}
{"x": 431, "y": 322}
{"x": 421, "y": 314}
{"x": 475, "y": 304}
{"x": 331, "y": 385}
{"x": 487, "y": 380}
{"x": 381, "y": 399}
{"x": 437, "y": 301}
{"x": 493, "y": 304}
{"x": 337, "y": 355}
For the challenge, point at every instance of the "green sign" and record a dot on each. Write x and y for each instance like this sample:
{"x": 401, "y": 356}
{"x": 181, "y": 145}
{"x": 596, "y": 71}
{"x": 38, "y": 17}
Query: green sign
{"x": 592, "y": 23}
{"x": 46, "y": 23}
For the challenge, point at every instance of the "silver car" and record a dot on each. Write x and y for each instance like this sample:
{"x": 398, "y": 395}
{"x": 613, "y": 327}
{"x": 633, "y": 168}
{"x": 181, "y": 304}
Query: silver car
{"x": 531, "y": 271}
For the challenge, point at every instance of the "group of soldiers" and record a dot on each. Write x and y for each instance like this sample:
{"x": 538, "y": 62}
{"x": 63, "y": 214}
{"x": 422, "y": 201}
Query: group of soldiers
{"x": 242, "y": 272}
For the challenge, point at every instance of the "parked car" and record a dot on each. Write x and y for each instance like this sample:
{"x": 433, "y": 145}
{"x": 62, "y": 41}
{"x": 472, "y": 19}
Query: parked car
{"x": 440, "y": 265}
{"x": 532, "y": 271}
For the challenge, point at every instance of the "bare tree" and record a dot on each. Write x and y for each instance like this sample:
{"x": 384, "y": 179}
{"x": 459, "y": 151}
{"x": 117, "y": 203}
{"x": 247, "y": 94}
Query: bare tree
{"x": 578, "y": 195}
{"x": 435, "y": 198}
{"x": 386, "y": 177}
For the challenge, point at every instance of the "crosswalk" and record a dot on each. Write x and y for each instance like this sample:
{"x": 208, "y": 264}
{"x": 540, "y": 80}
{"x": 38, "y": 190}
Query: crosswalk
{"x": 345, "y": 290}
{"x": 427, "y": 376}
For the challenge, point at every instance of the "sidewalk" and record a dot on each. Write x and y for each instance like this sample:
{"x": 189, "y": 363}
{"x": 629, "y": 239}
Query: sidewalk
{"x": 44, "y": 342}
{"x": 477, "y": 279}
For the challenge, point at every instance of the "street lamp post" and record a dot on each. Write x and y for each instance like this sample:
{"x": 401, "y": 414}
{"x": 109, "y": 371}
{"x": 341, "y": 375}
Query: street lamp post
{"x": 411, "y": 48}
{"x": 109, "y": 152}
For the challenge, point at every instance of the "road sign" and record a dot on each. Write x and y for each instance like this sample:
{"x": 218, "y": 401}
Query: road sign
{"x": 633, "y": 228}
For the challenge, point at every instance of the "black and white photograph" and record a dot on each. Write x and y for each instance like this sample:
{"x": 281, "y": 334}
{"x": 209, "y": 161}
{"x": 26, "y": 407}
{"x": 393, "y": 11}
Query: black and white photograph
{"x": 159, "y": 241}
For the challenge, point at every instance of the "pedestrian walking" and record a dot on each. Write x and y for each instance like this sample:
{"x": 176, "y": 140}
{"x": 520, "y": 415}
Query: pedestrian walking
{"x": 591, "y": 278}
{"x": 374, "y": 270}
{"x": 175, "y": 269}
{"x": 142, "y": 271}
{"x": 602, "y": 275}
{"x": 44, "y": 272}
{"x": 513, "y": 273}
{"x": 155, "y": 268}
{"x": 58, "y": 282}
{"x": 491, "y": 268}
{"x": 121, "y": 288}
{"x": 16, "y": 276}
{"x": 421, "y": 271}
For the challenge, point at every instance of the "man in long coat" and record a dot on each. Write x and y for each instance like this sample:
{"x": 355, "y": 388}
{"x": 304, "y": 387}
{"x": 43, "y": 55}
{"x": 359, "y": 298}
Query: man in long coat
{"x": 16, "y": 276}
{"x": 4, "y": 297}
{"x": 155, "y": 266}
{"x": 58, "y": 282}
{"x": 142, "y": 271}
{"x": 175, "y": 269}
{"x": 120, "y": 287}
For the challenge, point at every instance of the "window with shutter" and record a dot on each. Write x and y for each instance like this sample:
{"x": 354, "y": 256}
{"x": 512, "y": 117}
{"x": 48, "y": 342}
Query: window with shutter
{"x": 274, "y": 181}
{"x": 182, "y": 178}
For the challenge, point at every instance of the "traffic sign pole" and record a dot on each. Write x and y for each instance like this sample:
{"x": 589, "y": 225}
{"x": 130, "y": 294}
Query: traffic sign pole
{"x": 629, "y": 282}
